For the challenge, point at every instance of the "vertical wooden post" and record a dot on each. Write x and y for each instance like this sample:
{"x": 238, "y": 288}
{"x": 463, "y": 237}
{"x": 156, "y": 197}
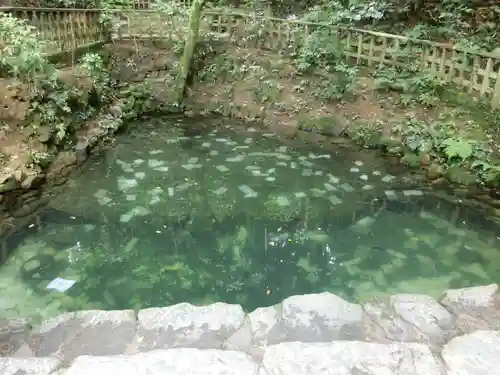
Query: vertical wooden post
{"x": 187, "y": 57}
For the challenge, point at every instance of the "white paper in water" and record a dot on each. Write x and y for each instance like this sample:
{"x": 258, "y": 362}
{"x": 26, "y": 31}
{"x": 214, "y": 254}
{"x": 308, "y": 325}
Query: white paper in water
{"x": 60, "y": 284}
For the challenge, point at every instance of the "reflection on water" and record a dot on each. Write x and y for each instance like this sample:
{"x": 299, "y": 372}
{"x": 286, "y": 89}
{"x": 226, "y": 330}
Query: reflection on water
{"x": 239, "y": 218}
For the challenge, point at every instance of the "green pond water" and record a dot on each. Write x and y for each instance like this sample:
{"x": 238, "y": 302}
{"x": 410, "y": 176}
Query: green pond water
{"x": 170, "y": 215}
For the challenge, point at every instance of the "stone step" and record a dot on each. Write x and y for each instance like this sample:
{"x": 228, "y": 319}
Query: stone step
{"x": 296, "y": 329}
{"x": 476, "y": 353}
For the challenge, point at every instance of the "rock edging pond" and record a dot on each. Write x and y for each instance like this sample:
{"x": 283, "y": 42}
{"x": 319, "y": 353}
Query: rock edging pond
{"x": 305, "y": 334}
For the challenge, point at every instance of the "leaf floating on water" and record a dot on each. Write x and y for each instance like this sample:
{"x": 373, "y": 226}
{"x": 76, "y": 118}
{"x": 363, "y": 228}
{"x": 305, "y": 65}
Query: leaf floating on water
{"x": 206, "y": 144}
{"x": 306, "y": 163}
{"x": 183, "y": 186}
{"x": 220, "y": 190}
{"x": 348, "y": 188}
{"x": 410, "y": 193}
{"x": 364, "y": 177}
{"x": 126, "y": 183}
{"x": 248, "y": 141}
{"x": 333, "y": 179}
{"x": 282, "y": 201}
{"x": 126, "y": 167}
{"x": 391, "y": 195}
{"x": 387, "y": 178}
{"x": 313, "y": 156}
{"x": 318, "y": 173}
{"x": 138, "y": 161}
{"x": 300, "y": 195}
{"x": 270, "y": 179}
{"x": 101, "y": 193}
{"x": 329, "y": 187}
{"x": 307, "y": 172}
{"x": 368, "y": 187}
{"x": 153, "y": 163}
{"x": 317, "y": 192}
{"x": 354, "y": 170}
{"x": 192, "y": 160}
{"x": 139, "y": 175}
{"x": 222, "y": 168}
{"x": 177, "y": 266}
{"x": 130, "y": 197}
{"x": 376, "y": 173}
{"x": 155, "y": 152}
{"x": 334, "y": 200}
{"x": 170, "y": 191}
{"x": 363, "y": 225}
{"x": 156, "y": 191}
{"x": 191, "y": 166}
{"x": 213, "y": 153}
{"x": 161, "y": 169}
{"x": 359, "y": 163}
{"x": 236, "y": 159}
{"x": 247, "y": 190}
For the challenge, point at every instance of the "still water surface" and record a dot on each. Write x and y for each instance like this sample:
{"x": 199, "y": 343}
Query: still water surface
{"x": 240, "y": 217}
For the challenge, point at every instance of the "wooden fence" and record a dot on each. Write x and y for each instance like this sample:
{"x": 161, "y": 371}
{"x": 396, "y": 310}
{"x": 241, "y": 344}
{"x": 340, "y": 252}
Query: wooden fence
{"x": 476, "y": 72}
{"x": 65, "y": 30}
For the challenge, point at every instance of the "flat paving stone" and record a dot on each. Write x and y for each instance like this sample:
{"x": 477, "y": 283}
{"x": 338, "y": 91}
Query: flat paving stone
{"x": 386, "y": 326}
{"x": 317, "y": 318}
{"x": 433, "y": 321}
{"x": 92, "y": 332}
{"x": 187, "y": 361}
{"x": 186, "y": 325}
{"x": 13, "y": 332}
{"x": 476, "y": 308}
{"x": 28, "y": 366}
{"x": 350, "y": 358}
{"x": 262, "y": 321}
{"x": 477, "y": 353}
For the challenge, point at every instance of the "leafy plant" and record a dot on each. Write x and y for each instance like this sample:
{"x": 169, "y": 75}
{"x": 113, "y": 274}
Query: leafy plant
{"x": 321, "y": 53}
{"x": 414, "y": 86}
{"x": 23, "y": 56}
{"x": 443, "y": 143}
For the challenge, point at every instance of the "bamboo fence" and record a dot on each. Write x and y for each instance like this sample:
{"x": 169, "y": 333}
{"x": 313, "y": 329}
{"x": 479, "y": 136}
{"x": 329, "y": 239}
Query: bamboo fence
{"x": 64, "y": 30}
{"x": 478, "y": 73}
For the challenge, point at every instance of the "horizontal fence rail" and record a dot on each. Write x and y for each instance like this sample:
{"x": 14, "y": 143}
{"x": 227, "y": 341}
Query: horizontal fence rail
{"x": 65, "y": 30}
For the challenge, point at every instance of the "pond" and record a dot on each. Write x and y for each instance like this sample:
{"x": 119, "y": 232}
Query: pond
{"x": 177, "y": 212}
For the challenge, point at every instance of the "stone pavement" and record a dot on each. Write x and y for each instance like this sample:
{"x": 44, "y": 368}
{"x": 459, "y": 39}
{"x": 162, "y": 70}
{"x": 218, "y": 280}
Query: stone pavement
{"x": 308, "y": 334}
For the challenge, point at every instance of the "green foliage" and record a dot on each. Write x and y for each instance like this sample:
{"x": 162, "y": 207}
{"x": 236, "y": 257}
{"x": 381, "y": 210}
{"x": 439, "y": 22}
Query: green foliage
{"x": 451, "y": 21}
{"x": 413, "y": 86}
{"x": 443, "y": 143}
{"x": 321, "y": 53}
{"x": 23, "y": 57}
{"x": 267, "y": 91}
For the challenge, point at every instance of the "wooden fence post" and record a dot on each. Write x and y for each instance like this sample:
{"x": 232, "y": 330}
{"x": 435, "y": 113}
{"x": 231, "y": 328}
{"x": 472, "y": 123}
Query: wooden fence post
{"x": 187, "y": 57}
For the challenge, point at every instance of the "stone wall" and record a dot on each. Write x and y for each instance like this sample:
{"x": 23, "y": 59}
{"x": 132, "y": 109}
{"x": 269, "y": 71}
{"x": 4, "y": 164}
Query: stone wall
{"x": 306, "y": 334}
{"x": 25, "y": 188}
